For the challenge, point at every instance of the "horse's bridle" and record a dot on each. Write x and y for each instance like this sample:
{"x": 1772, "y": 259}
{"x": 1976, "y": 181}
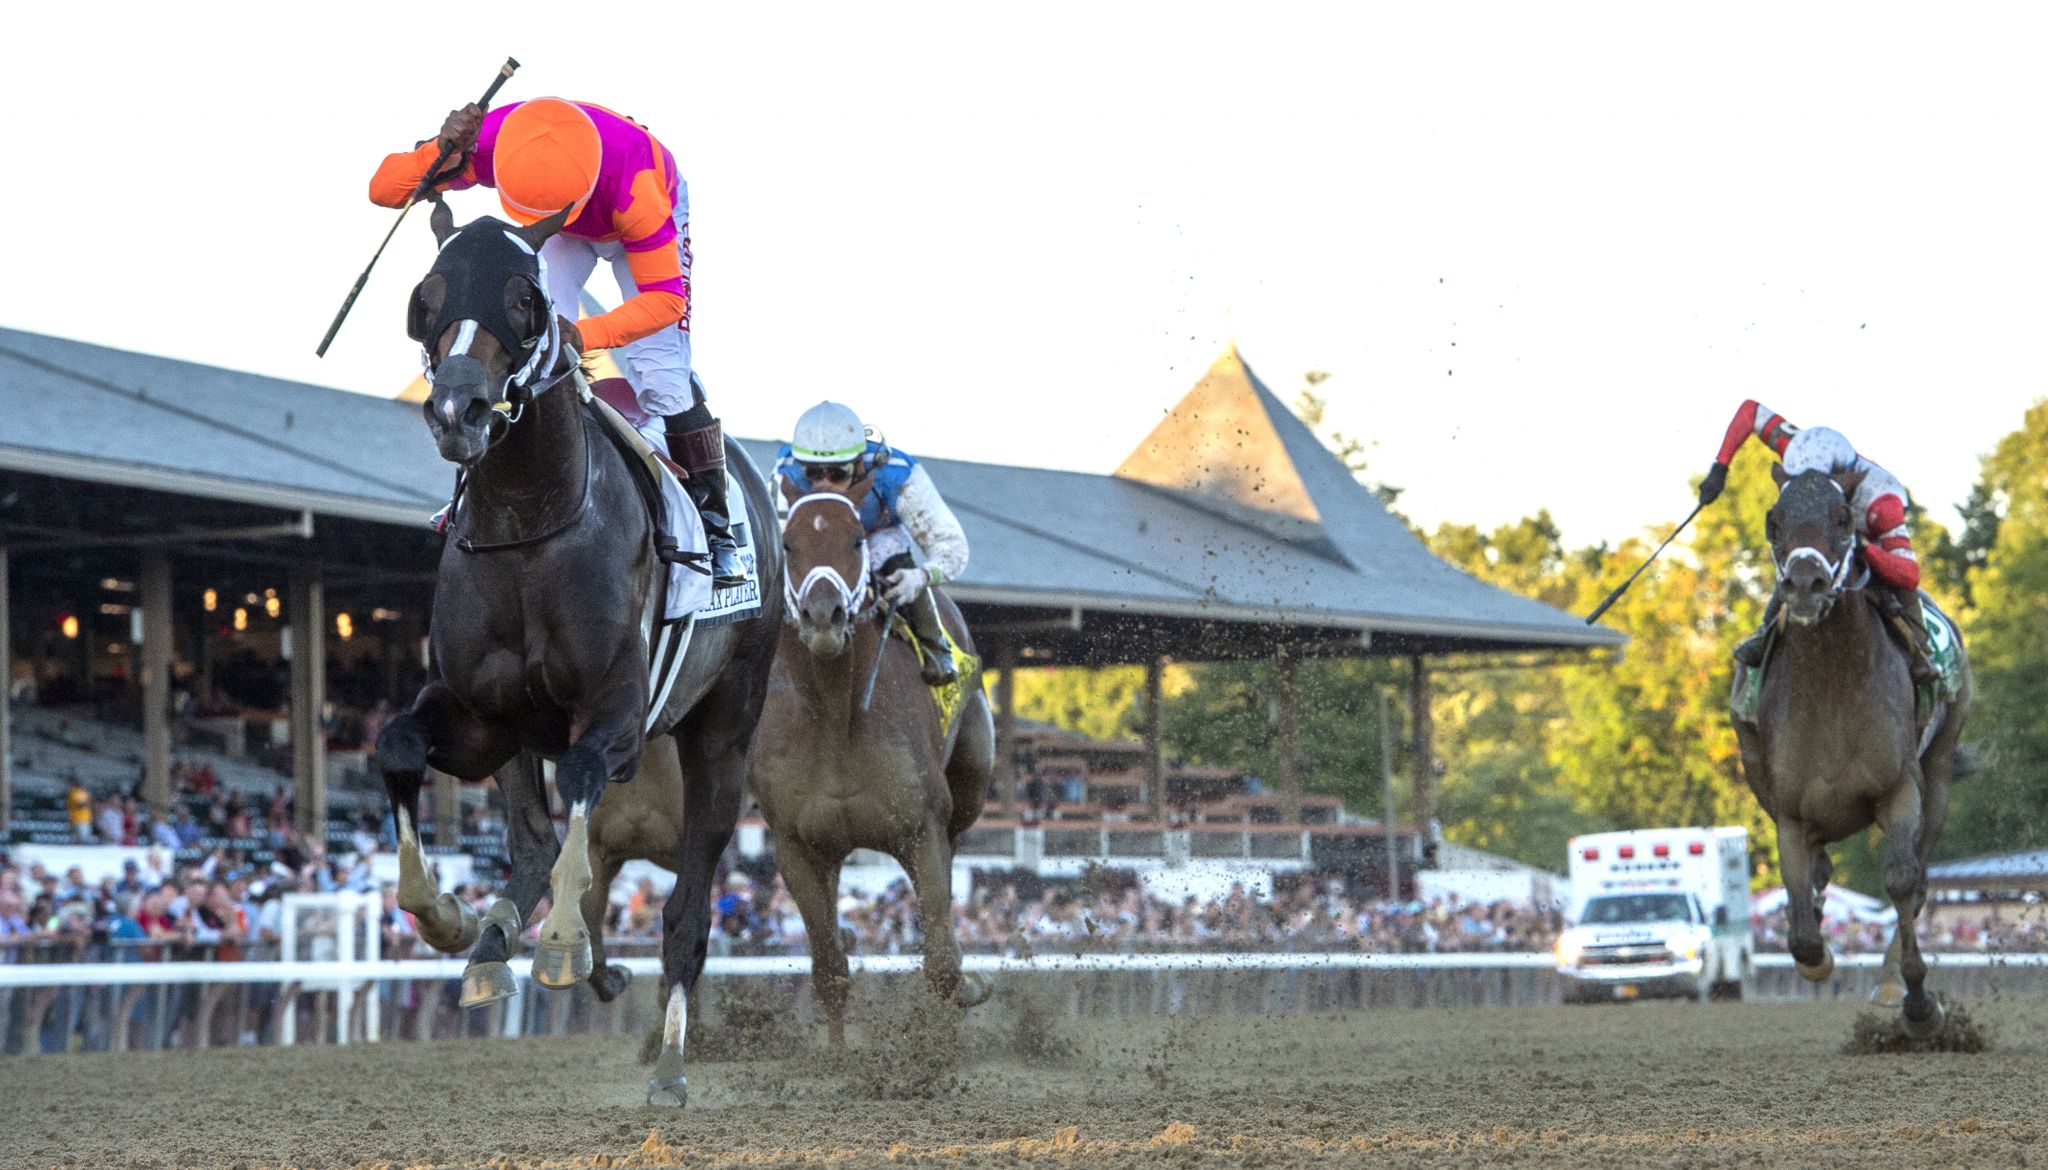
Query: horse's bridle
{"x": 544, "y": 349}
{"x": 1837, "y": 570}
{"x": 855, "y": 596}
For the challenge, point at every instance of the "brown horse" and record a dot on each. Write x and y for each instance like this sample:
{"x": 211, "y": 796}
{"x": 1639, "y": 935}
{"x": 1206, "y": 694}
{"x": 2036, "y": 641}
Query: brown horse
{"x": 835, "y": 772}
{"x": 1835, "y": 747}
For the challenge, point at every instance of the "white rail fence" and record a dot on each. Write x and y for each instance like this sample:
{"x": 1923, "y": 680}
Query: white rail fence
{"x": 123, "y": 1005}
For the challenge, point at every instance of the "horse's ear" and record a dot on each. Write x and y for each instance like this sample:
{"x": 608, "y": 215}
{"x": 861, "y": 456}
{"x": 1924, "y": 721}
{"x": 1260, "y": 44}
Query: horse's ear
{"x": 418, "y": 312}
{"x": 1849, "y": 481}
{"x": 442, "y": 221}
{"x": 536, "y": 234}
{"x": 1778, "y": 475}
{"x": 859, "y": 490}
{"x": 790, "y": 491}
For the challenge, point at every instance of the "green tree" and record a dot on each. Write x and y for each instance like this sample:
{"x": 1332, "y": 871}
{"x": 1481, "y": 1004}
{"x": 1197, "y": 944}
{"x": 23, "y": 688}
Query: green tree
{"x": 2005, "y": 543}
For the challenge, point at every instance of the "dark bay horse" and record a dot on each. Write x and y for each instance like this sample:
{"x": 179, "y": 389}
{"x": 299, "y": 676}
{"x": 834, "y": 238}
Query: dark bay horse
{"x": 1835, "y": 747}
{"x": 545, "y": 607}
{"x": 833, "y": 776}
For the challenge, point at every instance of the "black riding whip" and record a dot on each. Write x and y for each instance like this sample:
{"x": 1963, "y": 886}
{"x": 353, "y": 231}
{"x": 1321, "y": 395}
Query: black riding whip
{"x": 1623, "y": 587}
{"x": 881, "y": 648}
{"x": 504, "y": 74}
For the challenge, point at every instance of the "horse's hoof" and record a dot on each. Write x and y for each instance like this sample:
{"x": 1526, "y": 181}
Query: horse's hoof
{"x": 561, "y": 964}
{"x": 487, "y": 983}
{"x": 611, "y": 982}
{"x": 667, "y": 1092}
{"x": 974, "y": 991}
{"x": 1888, "y": 993}
{"x": 1820, "y": 971}
{"x": 451, "y": 927}
{"x": 1929, "y": 1026}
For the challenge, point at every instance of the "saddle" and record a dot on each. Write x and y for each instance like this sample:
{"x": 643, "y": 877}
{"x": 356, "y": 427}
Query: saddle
{"x": 1928, "y": 698}
{"x": 951, "y": 697}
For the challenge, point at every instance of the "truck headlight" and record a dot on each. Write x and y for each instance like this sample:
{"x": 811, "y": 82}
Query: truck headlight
{"x": 1568, "y": 951}
{"x": 1686, "y": 952}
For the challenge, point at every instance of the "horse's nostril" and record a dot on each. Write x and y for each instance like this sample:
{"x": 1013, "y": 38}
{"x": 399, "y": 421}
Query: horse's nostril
{"x": 475, "y": 413}
{"x": 838, "y": 614}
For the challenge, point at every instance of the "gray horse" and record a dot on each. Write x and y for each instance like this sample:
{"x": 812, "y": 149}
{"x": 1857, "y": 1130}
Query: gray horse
{"x": 545, "y": 607}
{"x": 1835, "y": 747}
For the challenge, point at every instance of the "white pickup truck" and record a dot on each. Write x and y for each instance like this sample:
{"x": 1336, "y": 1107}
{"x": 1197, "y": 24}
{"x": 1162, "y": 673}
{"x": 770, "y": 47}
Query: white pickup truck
{"x": 1658, "y": 912}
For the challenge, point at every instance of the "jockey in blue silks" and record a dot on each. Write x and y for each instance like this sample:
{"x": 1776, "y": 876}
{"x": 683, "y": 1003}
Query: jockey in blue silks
{"x": 914, "y": 540}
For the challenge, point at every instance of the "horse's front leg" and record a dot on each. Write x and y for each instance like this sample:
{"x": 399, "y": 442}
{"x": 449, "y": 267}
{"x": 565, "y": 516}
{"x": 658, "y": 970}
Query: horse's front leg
{"x": 1905, "y": 879}
{"x": 1802, "y": 936}
{"x": 607, "y": 750}
{"x": 437, "y": 730}
{"x": 929, "y": 861}
{"x": 530, "y": 839}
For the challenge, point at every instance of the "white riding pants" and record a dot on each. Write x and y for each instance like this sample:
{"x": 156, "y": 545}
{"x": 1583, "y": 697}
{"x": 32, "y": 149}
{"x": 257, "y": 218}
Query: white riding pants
{"x": 658, "y": 365}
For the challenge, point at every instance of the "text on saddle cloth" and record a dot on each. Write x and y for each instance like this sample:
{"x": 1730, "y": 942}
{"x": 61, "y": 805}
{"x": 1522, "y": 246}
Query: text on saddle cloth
{"x": 688, "y": 590}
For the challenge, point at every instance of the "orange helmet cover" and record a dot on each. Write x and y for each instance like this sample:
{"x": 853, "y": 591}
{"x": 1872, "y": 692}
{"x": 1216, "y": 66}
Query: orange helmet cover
{"x": 547, "y": 158}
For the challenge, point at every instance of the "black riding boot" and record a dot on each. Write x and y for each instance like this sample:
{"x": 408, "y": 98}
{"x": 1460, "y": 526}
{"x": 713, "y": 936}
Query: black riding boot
{"x": 1911, "y": 622}
{"x": 698, "y": 447}
{"x": 1750, "y": 652}
{"x": 923, "y": 618}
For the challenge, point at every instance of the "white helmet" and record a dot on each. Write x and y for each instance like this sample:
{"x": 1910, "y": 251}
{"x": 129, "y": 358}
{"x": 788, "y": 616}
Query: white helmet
{"x": 828, "y": 433}
{"x": 1819, "y": 449}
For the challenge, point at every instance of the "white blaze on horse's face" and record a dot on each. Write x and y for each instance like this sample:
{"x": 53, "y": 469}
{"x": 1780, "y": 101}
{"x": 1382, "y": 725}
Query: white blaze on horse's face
{"x": 1814, "y": 546}
{"x": 820, "y": 599}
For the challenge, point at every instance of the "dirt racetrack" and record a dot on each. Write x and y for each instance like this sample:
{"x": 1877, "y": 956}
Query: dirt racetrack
{"x": 1646, "y": 1084}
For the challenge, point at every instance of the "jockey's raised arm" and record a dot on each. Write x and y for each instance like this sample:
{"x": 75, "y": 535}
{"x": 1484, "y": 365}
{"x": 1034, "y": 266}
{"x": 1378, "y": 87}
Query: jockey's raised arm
{"x": 1754, "y": 418}
{"x": 632, "y": 208}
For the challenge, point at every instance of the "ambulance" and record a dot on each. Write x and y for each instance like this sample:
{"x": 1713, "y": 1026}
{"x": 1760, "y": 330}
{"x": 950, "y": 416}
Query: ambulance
{"x": 1657, "y": 913}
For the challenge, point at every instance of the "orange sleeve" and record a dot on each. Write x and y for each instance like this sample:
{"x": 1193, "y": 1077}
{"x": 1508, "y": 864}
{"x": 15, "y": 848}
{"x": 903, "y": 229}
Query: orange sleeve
{"x": 642, "y": 316}
{"x": 399, "y": 175}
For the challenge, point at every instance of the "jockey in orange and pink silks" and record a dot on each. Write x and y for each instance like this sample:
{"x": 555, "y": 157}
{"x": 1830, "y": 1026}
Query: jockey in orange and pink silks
{"x": 1879, "y": 506}
{"x": 633, "y": 210}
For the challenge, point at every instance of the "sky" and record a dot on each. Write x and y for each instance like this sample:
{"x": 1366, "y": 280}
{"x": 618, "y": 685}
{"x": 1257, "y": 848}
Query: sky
{"x": 1542, "y": 250}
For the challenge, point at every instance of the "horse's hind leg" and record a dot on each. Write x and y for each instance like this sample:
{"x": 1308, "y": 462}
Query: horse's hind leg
{"x": 1803, "y": 938}
{"x": 530, "y": 838}
{"x": 813, "y": 884}
{"x": 713, "y": 741}
{"x": 438, "y": 730}
{"x": 1905, "y": 879}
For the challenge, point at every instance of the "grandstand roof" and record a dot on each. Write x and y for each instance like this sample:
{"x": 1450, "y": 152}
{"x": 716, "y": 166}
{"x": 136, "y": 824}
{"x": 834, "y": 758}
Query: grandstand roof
{"x": 1228, "y": 528}
{"x": 2026, "y": 869}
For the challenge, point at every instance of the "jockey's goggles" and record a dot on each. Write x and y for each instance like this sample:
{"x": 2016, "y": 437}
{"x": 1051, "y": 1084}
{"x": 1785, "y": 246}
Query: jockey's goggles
{"x": 837, "y": 474}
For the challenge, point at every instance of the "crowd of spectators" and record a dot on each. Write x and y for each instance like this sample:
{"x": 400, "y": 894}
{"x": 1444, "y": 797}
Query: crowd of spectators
{"x": 1109, "y": 914}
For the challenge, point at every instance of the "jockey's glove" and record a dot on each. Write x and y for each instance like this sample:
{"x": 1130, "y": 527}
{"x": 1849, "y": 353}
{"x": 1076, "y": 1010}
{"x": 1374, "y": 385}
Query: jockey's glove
{"x": 903, "y": 586}
{"x": 1710, "y": 487}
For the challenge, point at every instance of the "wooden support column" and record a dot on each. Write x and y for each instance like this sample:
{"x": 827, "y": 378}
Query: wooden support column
{"x": 1006, "y": 730}
{"x": 307, "y": 609}
{"x": 1422, "y": 754}
{"x": 1155, "y": 749}
{"x": 1288, "y": 699}
{"x": 1393, "y": 826}
{"x": 6, "y": 705}
{"x": 447, "y": 810}
{"x": 157, "y": 639}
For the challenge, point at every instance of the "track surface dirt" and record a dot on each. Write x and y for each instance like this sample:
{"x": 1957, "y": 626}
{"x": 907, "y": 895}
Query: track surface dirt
{"x": 1649, "y": 1085}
